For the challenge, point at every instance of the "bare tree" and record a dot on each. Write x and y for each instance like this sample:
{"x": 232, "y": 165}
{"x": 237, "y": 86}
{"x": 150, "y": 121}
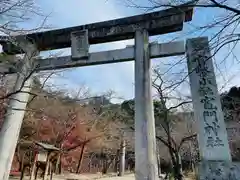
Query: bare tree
{"x": 14, "y": 14}
{"x": 101, "y": 123}
{"x": 224, "y": 23}
{"x": 167, "y": 105}
{"x": 222, "y": 29}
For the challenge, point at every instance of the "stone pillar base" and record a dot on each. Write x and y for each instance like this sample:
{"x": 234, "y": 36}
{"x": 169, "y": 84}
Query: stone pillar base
{"x": 219, "y": 170}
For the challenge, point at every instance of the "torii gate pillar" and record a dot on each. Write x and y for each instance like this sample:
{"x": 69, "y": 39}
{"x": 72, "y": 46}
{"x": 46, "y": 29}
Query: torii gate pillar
{"x": 145, "y": 141}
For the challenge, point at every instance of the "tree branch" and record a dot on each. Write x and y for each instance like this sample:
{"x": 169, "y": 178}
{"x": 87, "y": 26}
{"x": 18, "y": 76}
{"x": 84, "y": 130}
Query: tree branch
{"x": 186, "y": 139}
{"x": 180, "y": 104}
{"x": 81, "y": 143}
{"x": 226, "y": 7}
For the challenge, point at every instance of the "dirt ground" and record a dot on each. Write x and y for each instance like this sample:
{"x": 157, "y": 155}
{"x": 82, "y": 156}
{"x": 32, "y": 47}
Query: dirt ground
{"x": 90, "y": 177}
{"x": 78, "y": 177}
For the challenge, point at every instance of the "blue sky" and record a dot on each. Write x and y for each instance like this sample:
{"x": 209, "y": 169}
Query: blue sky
{"x": 117, "y": 77}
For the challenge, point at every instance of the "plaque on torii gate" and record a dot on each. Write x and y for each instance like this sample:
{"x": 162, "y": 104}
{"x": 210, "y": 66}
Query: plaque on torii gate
{"x": 79, "y": 45}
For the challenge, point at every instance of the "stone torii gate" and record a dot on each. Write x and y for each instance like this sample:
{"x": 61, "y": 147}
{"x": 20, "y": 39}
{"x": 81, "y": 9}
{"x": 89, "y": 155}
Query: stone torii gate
{"x": 79, "y": 38}
{"x": 139, "y": 27}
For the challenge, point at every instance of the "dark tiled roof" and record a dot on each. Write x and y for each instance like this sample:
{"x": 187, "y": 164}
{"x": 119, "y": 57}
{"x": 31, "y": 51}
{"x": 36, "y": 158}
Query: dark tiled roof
{"x": 47, "y": 146}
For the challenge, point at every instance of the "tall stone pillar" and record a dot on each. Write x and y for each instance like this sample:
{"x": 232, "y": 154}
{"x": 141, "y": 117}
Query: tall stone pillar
{"x": 145, "y": 141}
{"x": 212, "y": 135}
{"x": 13, "y": 118}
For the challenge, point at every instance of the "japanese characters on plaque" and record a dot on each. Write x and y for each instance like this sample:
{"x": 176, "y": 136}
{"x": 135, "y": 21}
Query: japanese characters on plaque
{"x": 207, "y": 96}
{"x": 220, "y": 171}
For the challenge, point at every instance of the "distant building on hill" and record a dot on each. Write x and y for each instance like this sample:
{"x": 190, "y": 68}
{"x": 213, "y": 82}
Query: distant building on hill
{"x": 96, "y": 101}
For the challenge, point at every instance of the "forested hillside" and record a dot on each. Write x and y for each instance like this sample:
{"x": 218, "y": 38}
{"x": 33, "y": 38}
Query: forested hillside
{"x": 89, "y": 132}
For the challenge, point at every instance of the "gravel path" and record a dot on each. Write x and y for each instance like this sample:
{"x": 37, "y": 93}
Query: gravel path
{"x": 126, "y": 177}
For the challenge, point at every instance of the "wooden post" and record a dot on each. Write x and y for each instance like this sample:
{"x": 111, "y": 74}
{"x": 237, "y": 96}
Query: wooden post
{"x": 47, "y": 167}
{"x": 80, "y": 158}
{"x": 51, "y": 170}
{"x": 58, "y": 164}
{"x": 36, "y": 173}
{"x": 22, "y": 160}
{"x": 33, "y": 169}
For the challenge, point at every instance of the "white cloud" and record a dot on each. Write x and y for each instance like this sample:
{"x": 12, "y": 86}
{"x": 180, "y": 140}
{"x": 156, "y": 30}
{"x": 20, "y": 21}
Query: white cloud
{"x": 118, "y": 77}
